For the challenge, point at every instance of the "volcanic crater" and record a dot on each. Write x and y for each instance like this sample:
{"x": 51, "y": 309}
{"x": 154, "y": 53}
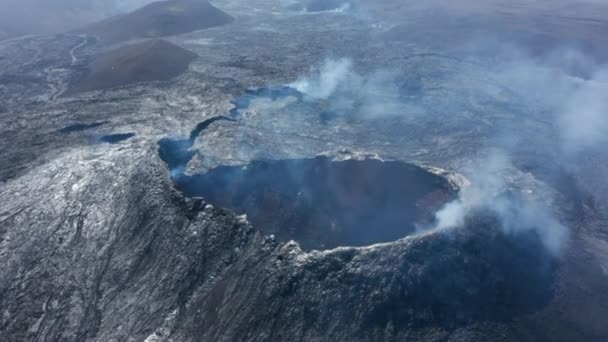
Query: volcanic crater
{"x": 322, "y": 203}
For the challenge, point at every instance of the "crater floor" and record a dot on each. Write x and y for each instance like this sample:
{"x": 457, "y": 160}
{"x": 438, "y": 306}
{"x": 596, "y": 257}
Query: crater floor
{"x": 324, "y": 204}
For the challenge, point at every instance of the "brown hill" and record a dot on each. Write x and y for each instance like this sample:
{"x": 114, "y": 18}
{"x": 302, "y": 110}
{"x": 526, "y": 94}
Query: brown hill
{"x": 159, "y": 19}
{"x": 151, "y": 60}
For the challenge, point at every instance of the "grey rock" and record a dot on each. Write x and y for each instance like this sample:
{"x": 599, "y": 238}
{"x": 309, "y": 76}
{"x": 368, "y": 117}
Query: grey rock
{"x": 97, "y": 243}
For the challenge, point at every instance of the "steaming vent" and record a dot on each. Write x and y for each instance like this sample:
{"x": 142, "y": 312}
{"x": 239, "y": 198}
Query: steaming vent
{"x": 323, "y": 204}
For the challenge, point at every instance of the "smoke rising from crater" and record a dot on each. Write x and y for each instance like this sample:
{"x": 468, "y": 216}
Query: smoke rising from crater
{"x": 566, "y": 91}
{"x": 518, "y": 210}
{"x": 327, "y": 79}
{"x": 573, "y": 106}
{"x": 352, "y": 94}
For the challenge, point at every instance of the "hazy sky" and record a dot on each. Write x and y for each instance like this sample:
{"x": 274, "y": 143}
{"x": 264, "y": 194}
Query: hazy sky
{"x": 50, "y": 16}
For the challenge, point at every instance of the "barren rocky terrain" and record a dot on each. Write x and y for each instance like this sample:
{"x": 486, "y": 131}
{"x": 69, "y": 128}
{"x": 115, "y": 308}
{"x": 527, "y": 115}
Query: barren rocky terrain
{"x": 373, "y": 171}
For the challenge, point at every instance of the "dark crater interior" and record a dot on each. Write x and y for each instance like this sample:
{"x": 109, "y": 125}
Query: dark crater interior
{"x": 322, "y": 203}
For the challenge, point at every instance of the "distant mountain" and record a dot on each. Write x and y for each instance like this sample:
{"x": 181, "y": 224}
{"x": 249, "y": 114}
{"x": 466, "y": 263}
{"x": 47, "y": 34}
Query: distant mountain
{"x": 159, "y": 19}
{"x": 152, "y": 60}
{"x": 22, "y": 17}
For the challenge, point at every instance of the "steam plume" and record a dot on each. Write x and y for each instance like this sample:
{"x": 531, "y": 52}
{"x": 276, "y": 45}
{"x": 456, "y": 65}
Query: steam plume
{"x": 350, "y": 93}
{"x": 488, "y": 191}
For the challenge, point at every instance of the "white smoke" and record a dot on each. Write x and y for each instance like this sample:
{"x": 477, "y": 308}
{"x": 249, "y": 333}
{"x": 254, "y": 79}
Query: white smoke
{"x": 571, "y": 87}
{"x": 325, "y": 81}
{"x": 583, "y": 117}
{"x": 489, "y": 190}
{"x": 350, "y": 93}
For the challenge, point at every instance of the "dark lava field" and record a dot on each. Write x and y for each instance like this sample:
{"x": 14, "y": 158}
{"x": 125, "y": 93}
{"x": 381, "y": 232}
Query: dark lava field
{"x": 295, "y": 170}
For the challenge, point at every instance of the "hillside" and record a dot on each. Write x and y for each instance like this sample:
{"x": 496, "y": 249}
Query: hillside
{"x": 159, "y": 19}
{"x": 152, "y": 60}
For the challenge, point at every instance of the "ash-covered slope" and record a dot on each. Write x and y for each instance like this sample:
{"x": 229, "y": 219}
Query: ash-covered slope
{"x": 126, "y": 252}
{"x": 429, "y": 288}
{"x": 151, "y": 60}
{"x": 159, "y": 19}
